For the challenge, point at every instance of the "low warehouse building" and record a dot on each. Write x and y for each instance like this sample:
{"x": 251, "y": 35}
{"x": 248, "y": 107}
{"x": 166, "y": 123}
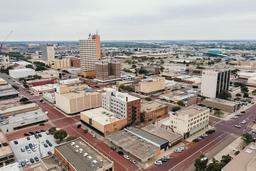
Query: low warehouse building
{"x": 78, "y": 155}
{"x": 225, "y": 105}
{"x": 18, "y": 120}
{"x": 134, "y": 145}
{"x": 103, "y": 120}
{"x": 21, "y": 73}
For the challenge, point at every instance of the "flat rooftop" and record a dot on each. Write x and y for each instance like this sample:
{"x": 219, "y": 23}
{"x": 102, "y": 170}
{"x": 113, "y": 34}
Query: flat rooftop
{"x": 151, "y": 138}
{"x": 5, "y": 148}
{"x": 83, "y": 156}
{"x": 15, "y": 108}
{"x": 244, "y": 161}
{"x": 121, "y": 96}
{"x": 151, "y": 106}
{"x": 77, "y": 94}
{"x": 45, "y": 87}
{"x": 101, "y": 115}
{"x": 226, "y": 102}
{"x": 163, "y": 132}
{"x": 191, "y": 110}
{"x": 134, "y": 145}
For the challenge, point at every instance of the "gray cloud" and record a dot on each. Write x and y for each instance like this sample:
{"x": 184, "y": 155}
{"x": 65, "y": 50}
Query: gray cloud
{"x": 128, "y": 19}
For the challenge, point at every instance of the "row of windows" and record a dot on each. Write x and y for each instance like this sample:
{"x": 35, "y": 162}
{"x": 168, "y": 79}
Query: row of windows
{"x": 199, "y": 124}
{"x": 198, "y": 116}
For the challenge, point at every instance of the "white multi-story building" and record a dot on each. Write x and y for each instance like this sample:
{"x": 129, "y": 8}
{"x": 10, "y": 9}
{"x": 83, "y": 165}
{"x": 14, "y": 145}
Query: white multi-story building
{"x": 190, "y": 120}
{"x": 90, "y": 53}
{"x": 122, "y": 104}
{"x": 214, "y": 82}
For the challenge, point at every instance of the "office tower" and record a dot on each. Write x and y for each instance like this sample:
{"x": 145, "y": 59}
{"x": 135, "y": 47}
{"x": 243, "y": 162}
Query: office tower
{"x": 48, "y": 54}
{"x": 214, "y": 82}
{"x": 108, "y": 70}
{"x": 90, "y": 53}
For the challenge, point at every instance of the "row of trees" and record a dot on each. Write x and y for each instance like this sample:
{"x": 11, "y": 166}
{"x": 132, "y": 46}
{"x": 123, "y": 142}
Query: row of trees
{"x": 126, "y": 88}
{"x": 201, "y": 163}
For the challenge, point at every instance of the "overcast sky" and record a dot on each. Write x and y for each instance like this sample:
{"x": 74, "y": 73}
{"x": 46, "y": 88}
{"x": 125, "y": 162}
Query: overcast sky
{"x": 128, "y": 19}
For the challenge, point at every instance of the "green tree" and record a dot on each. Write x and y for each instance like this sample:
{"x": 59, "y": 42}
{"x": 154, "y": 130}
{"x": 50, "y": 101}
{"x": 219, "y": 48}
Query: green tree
{"x": 60, "y": 134}
{"x": 214, "y": 166}
{"x": 148, "y": 99}
{"x": 52, "y": 130}
{"x": 246, "y": 95}
{"x": 225, "y": 160}
{"x": 238, "y": 95}
{"x": 175, "y": 108}
{"x": 24, "y": 100}
{"x": 244, "y": 89}
{"x": 247, "y": 138}
{"x": 180, "y": 103}
{"x": 254, "y": 92}
{"x": 201, "y": 163}
{"x": 224, "y": 95}
{"x": 126, "y": 88}
{"x": 218, "y": 113}
{"x": 143, "y": 71}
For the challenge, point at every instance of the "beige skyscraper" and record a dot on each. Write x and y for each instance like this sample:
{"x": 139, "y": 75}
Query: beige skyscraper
{"x": 48, "y": 54}
{"x": 90, "y": 53}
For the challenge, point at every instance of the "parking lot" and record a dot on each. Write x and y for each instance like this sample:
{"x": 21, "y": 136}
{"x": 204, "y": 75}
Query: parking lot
{"x": 31, "y": 148}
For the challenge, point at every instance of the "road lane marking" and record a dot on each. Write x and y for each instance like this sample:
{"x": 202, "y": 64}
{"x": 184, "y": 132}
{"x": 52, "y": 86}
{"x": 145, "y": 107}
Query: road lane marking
{"x": 199, "y": 150}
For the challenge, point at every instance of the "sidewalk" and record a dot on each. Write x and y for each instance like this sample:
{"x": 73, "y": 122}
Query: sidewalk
{"x": 236, "y": 145}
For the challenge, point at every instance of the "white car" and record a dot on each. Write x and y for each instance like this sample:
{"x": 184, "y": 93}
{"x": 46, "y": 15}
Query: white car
{"x": 158, "y": 162}
{"x": 235, "y": 117}
{"x": 127, "y": 157}
{"x": 238, "y": 126}
{"x": 243, "y": 122}
{"x": 179, "y": 149}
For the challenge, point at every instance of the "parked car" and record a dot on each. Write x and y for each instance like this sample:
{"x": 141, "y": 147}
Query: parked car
{"x": 210, "y": 131}
{"x": 26, "y": 134}
{"x": 127, "y": 157}
{"x": 244, "y": 122}
{"x": 49, "y": 153}
{"x": 15, "y": 142}
{"x": 179, "y": 149}
{"x": 23, "y": 163}
{"x": 28, "y": 138}
{"x": 36, "y": 159}
{"x": 47, "y": 141}
{"x": 45, "y": 145}
{"x": 195, "y": 140}
{"x": 234, "y": 117}
{"x": 79, "y": 126}
{"x": 32, "y": 160}
{"x": 238, "y": 126}
{"x": 158, "y": 162}
{"x": 22, "y": 149}
{"x": 165, "y": 158}
{"x": 204, "y": 136}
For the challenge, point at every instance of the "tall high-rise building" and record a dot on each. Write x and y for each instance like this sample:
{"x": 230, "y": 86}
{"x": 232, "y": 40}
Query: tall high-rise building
{"x": 214, "y": 82}
{"x": 48, "y": 54}
{"x": 108, "y": 70}
{"x": 90, "y": 53}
